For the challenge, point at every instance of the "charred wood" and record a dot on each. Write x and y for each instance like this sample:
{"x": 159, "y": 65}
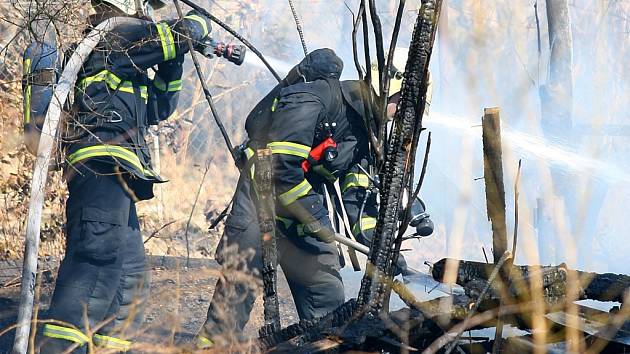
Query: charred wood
{"x": 603, "y": 287}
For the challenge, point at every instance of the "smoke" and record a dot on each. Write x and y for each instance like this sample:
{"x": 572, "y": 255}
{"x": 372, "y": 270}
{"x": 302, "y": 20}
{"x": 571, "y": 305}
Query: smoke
{"x": 573, "y": 188}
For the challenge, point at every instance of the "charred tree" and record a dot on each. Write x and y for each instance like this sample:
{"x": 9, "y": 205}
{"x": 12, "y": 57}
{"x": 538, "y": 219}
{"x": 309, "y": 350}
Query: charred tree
{"x": 266, "y": 221}
{"x": 385, "y": 244}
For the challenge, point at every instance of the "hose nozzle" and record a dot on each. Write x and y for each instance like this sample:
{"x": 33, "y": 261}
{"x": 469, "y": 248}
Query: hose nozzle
{"x": 232, "y": 52}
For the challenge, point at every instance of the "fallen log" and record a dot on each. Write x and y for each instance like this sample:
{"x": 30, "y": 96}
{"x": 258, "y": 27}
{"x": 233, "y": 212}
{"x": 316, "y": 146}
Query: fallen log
{"x": 603, "y": 287}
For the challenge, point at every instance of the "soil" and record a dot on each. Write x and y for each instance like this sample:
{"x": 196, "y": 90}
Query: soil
{"x": 177, "y": 308}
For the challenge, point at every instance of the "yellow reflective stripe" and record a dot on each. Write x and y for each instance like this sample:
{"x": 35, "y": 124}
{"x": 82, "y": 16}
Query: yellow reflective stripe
{"x": 289, "y": 148}
{"x": 166, "y": 38}
{"x": 355, "y": 180}
{"x": 249, "y": 152}
{"x": 111, "y": 342}
{"x": 106, "y": 150}
{"x": 201, "y": 21}
{"x": 108, "y": 77}
{"x": 175, "y": 86}
{"x": 114, "y": 82}
{"x": 273, "y": 106}
{"x": 204, "y": 343}
{"x": 295, "y": 193}
{"x": 367, "y": 223}
{"x": 66, "y": 333}
{"x": 172, "y": 86}
{"x": 27, "y": 93}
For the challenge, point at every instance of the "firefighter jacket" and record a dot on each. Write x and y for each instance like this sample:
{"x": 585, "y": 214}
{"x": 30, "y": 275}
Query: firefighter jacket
{"x": 115, "y": 100}
{"x": 302, "y": 118}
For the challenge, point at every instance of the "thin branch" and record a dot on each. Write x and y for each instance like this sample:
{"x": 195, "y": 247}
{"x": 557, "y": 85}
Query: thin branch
{"x": 425, "y": 162}
{"x": 516, "y": 193}
{"x": 356, "y": 21}
{"x": 405, "y": 224}
{"x": 192, "y": 210}
{"x": 160, "y": 229}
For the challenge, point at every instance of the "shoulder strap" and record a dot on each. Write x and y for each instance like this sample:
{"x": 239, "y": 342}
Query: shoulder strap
{"x": 333, "y": 107}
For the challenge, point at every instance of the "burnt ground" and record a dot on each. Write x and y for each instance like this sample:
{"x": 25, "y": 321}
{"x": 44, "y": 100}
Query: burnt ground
{"x": 177, "y": 307}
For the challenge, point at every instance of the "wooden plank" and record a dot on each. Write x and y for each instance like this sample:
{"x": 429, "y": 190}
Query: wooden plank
{"x": 493, "y": 176}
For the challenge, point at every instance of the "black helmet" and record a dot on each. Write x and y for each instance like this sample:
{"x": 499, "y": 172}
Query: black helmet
{"x": 319, "y": 64}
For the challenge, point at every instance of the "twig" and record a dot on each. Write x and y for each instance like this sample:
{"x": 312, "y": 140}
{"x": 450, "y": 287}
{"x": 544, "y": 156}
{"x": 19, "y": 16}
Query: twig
{"x": 160, "y": 229}
{"x": 516, "y": 193}
{"x": 356, "y": 20}
{"x": 416, "y": 192}
{"x": 424, "y": 167}
{"x": 392, "y": 46}
{"x": 367, "y": 101}
{"x": 192, "y": 211}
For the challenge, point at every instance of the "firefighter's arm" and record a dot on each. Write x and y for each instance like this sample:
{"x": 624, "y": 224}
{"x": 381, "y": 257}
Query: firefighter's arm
{"x": 145, "y": 44}
{"x": 291, "y": 135}
{"x": 164, "y": 90}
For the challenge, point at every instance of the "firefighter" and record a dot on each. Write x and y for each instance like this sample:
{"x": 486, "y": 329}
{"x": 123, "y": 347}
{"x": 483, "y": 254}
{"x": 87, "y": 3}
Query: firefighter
{"x": 358, "y": 193}
{"x": 297, "y": 115}
{"x": 103, "y": 282}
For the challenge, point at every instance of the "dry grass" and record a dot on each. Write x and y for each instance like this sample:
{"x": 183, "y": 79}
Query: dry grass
{"x": 499, "y": 33}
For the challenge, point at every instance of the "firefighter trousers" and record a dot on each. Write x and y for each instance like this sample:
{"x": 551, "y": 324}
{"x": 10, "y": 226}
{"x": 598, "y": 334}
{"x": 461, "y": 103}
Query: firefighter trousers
{"x": 103, "y": 281}
{"x": 310, "y": 266}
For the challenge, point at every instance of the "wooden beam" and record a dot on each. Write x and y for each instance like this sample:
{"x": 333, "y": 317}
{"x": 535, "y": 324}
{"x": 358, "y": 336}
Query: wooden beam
{"x": 493, "y": 176}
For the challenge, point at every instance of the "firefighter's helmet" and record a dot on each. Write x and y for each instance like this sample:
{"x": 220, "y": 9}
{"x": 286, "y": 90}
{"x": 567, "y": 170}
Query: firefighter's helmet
{"x": 396, "y": 71}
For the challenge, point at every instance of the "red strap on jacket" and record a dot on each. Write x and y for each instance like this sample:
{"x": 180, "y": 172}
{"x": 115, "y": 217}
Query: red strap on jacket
{"x": 317, "y": 153}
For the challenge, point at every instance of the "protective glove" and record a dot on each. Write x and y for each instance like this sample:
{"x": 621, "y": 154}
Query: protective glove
{"x": 320, "y": 229}
{"x": 205, "y": 47}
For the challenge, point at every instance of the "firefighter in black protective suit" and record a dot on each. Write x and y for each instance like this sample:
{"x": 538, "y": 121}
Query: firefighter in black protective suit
{"x": 359, "y": 194}
{"x": 297, "y": 115}
{"x": 103, "y": 279}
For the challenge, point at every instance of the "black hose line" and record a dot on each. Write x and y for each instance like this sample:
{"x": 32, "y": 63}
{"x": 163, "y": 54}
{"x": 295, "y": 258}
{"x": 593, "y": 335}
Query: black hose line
{"x": 235, "y": 34}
